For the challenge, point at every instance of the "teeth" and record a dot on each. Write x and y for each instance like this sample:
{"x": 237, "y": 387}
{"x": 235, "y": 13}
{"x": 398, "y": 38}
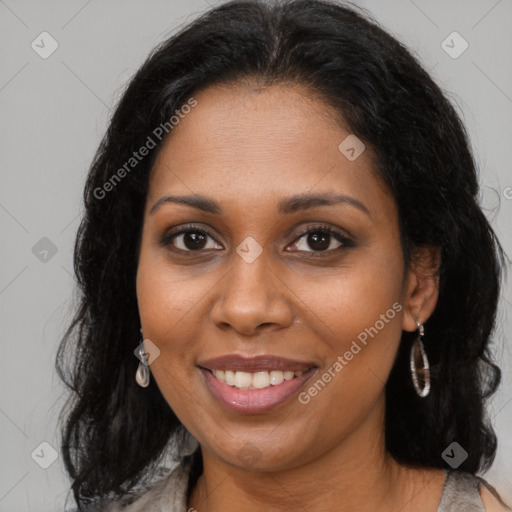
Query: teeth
{"x": 243, "y": 380}
{"x": 221, "y": 375}
{"x": 276, "y": 378}
{"x": 260, "y": 380}
{"x": 257, "y": 380}
{"x": 229, "y": 377}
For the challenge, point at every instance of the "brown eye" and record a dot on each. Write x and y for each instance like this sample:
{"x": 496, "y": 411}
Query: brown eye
{"x": 320, "y": 239}
{"x": 189, "y": 240}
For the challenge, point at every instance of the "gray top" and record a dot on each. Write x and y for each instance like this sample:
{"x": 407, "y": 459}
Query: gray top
{"x": 460, "y": 493}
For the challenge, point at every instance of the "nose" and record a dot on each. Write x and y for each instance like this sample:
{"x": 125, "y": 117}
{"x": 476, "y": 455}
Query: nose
{"x": 251, "y": 296}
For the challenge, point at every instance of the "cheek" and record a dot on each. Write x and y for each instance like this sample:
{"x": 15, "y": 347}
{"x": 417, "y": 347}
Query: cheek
{"x": 346, "y": 301}
{"x": 164, "y": 301}
{"x": 358, "y": 315}
{"x": 364, "y": 335}
{"x": 166, "y": 298}
{"x": 166, "y": 306}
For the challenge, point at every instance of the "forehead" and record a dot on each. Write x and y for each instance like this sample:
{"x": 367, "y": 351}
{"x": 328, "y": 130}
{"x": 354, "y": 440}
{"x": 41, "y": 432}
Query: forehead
{"x": 253, "y": 144}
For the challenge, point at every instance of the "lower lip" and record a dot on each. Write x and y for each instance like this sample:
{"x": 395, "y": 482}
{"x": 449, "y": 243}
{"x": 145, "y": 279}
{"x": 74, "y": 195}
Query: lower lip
{"x": 253, "y": 401}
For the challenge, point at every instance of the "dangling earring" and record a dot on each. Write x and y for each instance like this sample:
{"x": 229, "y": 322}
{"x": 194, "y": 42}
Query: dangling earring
{"x": 421, "y": 375}
{"x": 142, "y": 373}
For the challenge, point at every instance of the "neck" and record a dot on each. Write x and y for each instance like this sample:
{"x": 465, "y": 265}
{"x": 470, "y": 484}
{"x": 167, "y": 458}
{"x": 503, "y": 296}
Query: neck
{"x": 356, "y": 474}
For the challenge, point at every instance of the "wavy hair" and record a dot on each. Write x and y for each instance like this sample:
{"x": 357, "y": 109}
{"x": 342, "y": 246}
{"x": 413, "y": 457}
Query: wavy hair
{"x": 115, "y": 433}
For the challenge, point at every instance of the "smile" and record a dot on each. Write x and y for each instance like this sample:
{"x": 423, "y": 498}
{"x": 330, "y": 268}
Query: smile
{"x": 254, "y": 392}
{"x": 256, "y": 380}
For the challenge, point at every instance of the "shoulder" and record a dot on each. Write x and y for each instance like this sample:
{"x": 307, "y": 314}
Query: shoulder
{"x": 469, "y": 490}
{"x": 166, "y": 495}
{"x": 491, "y": 501}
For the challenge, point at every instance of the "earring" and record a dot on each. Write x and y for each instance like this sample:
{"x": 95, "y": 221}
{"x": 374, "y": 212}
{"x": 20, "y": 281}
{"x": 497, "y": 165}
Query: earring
{"x": 142, "y": 373}
{"x": 421, "y": 375}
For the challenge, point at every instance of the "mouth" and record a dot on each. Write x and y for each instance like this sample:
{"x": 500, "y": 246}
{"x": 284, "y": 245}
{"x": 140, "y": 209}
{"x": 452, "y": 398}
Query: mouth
{"x": 256, "y": 380}
{"x": 254, "y": 385}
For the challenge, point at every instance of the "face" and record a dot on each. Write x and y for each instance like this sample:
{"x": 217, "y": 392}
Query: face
{"x": 269, "y": 281}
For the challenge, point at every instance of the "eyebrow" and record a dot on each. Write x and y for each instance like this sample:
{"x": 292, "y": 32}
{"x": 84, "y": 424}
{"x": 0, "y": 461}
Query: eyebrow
{"x": 285, "y": 206}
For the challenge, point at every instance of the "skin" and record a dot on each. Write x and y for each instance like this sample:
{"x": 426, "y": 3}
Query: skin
{"x": 247, "y": 148}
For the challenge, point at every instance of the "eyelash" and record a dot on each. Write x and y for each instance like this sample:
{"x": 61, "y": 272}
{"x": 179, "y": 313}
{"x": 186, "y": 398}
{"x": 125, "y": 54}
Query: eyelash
{"x": 322, "y": 229}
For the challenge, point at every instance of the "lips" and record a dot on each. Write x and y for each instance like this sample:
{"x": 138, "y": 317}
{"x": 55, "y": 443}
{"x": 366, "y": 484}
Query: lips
{"x": 261, "y": 363}
{"x": 254, "y": 384}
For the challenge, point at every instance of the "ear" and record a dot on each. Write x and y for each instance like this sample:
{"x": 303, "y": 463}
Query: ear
{"x": 421, "y": 286}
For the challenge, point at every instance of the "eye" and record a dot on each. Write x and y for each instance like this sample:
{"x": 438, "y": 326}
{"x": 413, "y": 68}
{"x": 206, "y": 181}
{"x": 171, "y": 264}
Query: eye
{"x": 195, "y": 239}
{"x": 320, "y": 239}
{"x": 189, "y": 239}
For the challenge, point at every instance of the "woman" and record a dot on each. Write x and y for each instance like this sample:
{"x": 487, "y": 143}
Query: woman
{"x": 283, "y": 266}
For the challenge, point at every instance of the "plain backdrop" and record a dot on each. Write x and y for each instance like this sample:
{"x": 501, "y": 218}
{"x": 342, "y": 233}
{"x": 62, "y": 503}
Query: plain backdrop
{"x": 55, "y": 110}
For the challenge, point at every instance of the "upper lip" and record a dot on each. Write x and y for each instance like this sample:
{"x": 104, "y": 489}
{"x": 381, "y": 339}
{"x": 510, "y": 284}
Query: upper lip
{"x": 260, "y": 363}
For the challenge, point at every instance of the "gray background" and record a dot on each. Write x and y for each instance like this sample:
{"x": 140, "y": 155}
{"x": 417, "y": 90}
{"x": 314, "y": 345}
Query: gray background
{"x": 54, "y": 112}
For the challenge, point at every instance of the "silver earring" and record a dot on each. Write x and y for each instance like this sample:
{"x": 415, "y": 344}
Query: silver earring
{"x": 142, "y": 373}
{"x": 421, "y": 375}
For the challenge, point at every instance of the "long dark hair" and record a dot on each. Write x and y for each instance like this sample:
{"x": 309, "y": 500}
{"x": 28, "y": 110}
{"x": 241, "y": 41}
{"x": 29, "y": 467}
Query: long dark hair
{"x": 116, "y": 432}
